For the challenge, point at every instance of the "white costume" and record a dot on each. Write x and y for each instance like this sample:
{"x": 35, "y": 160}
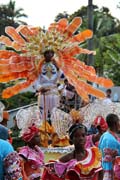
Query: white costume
{"x": 107, "y": 100}
{"x": 48, "y": 80}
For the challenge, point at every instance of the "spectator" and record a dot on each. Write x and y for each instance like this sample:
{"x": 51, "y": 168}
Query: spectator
{"x": 5, "y": 149}
{"x": 109, "y": 146}
{"x": 108, "y": 100}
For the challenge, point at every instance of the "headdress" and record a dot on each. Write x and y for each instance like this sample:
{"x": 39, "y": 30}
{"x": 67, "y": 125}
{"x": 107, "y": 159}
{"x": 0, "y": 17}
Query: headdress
{"x": 31, "y": 42}
{"x": 98, "y": 107}
{"x": 76, "y": 116}
{"x": 30, "y": 133}
{"x": 100, "y": 121}
{"x": 74, "y": 127}
{"x": 28, "y": 120}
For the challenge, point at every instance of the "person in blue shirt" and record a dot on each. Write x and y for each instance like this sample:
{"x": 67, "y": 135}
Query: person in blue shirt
{"x": 8, "y": 157}
{"x": 110, "y": 146}
{"x": 5, "y": 149}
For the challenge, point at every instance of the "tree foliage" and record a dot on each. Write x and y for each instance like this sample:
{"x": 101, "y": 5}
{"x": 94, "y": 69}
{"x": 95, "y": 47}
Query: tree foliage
{"x": 61, "y": 15}
{"x": 111, "y": 57}
{"x": 10, "y": 16}
{"x": 106, "y": 39}
{"x": 19, "y": 100}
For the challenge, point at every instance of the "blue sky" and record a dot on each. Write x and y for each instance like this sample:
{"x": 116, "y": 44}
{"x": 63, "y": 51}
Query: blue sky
{"x": 42, "y": 12}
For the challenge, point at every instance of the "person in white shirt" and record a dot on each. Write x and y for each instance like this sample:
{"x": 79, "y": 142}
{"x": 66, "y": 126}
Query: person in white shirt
{"x": 108, "y": 100}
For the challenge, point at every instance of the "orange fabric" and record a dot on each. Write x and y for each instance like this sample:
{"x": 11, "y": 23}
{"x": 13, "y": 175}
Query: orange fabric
{"x": 23, "y": 171}
{"x": 29, "y": 170}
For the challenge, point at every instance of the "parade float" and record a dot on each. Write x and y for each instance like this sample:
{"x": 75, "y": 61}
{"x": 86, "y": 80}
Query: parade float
{"x": 23, "y": 62}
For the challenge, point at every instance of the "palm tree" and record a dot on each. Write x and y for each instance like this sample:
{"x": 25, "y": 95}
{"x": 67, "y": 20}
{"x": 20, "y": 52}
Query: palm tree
{"x": 10, "y": 16}
{"x": 14, "y": 14}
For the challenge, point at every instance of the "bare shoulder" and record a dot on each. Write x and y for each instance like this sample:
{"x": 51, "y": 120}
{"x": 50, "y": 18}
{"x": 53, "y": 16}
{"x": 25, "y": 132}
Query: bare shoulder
{"x": 67, "y": 157}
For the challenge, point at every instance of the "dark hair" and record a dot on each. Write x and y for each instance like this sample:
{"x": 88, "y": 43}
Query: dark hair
{"x": 74, "y": 127}
{"x": 111, "y": 120}
{"x": 65, "y": 80}
{"x": 48, "y": 51}
{"x": 108, "y": 91}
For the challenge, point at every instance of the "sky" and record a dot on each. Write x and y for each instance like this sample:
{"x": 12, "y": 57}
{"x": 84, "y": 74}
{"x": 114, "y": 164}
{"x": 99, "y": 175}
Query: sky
{"x": 43, "y": 12}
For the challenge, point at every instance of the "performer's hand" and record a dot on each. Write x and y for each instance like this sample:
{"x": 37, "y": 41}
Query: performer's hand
{"x": 43, "y": 90}
{"x": 36, "y": 94}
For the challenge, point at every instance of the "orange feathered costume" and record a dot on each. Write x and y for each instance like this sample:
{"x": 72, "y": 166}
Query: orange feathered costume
{"x": 28, "y": 62}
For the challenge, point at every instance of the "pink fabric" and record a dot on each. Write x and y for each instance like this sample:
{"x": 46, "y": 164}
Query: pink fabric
{"x": 61, "y": 167}
{"x": 89, "y": 143}
{"x": 117, "y": 167}
{"x": 34, "y": 155}
{"x": 109, "y": 154}
{"x": 75, "y": 170}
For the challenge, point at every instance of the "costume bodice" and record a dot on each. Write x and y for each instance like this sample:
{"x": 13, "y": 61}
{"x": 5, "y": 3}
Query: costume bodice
{"x": 48, "y": 77}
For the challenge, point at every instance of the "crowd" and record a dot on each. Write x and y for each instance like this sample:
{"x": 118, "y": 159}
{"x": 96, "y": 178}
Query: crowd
{"x": 95, "y": 154}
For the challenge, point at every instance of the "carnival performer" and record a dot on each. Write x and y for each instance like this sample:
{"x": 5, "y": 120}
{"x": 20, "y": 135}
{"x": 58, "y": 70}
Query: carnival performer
{"x": 25, "y": 59}
{"x": 79, "y": 164}
{"x": 46, "y": 85}
{"x": 31, "y": 154}
{"x": 93, "y": 139}
{"x": 109, "y": 146}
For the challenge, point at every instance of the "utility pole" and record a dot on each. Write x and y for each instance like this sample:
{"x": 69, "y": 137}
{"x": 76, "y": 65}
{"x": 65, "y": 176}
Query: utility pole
{"x": 90, "y": 26}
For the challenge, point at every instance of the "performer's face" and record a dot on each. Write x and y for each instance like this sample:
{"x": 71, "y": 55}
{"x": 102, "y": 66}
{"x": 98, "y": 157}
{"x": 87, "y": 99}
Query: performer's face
{"x": 48, "y": 55}
{"x": 79, "y": 138}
